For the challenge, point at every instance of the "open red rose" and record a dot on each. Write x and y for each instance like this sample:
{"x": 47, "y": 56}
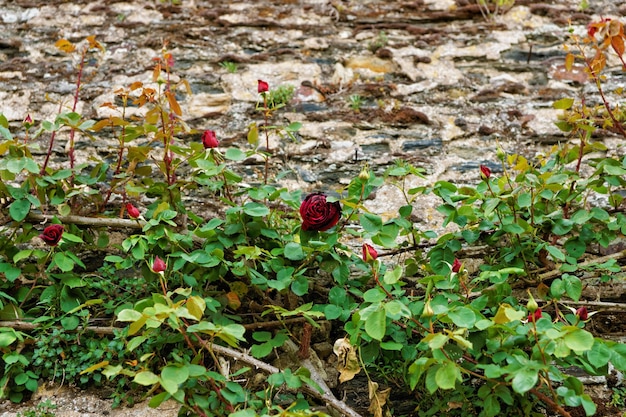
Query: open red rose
{"x": 209, "y": 139}
{"x": 52, "y": 234}
{"x": 318, "y": 214}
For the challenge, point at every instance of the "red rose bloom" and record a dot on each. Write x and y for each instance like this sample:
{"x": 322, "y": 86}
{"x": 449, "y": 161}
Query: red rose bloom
{"x": 456, "y": 266}
{"x": 535, "y": 316}
{"x": 369, "y": 253}
{"x": 262, "y": 86}
{"x": 158, "y": 265}
{"x": 209, "y": 139}
{"x": 133, "y": 212}
{"x": 52, "y": 234}
{"x": 582, "y": 313}
{"x": 485, "y": 172}
{"x": 318, "y": 214}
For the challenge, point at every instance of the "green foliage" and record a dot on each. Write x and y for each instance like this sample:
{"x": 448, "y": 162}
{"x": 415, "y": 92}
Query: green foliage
{"x": 249, "y": 278}
{"x": 42, "y": 409}
{"x": 356, "y": 102}
{"x": 229, "y": 66}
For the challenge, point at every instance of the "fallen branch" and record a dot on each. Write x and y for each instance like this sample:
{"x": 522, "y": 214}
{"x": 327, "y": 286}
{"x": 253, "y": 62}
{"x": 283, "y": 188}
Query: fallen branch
{"x": 89, "y": 221}
{"x": 28, "y": 326}
{"x": 326, "y": 396}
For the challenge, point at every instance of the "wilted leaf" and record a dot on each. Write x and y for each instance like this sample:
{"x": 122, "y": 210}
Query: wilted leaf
{"x": 347, "y": 364}
{"x": 378, "y": 399}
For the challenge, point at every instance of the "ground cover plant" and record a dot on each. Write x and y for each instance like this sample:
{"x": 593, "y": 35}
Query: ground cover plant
{"x": 221, "y": 311}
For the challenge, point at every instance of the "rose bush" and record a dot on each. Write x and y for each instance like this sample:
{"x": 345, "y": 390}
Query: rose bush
{"x": 52, "y": 234}
{"x": 318, "y": 214}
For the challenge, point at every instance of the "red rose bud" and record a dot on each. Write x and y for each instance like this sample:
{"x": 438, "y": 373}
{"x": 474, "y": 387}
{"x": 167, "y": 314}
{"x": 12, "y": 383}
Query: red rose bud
{"x": 582, "y": 313}
{"x": 262, "y": 87}
{"x": 133, "y": 212}
{"x": 318, "y": 214}
{"x": 456, "y": 266}
{"x": 209, "y": 139}
{"x": 158, "y": 265}
{"x": 369, "y": 253}
{"x": 52, "y": 234}
{"x": 535, "y": 316}
{"x": 485, "y": 172}
{"x": 28, "y": 121}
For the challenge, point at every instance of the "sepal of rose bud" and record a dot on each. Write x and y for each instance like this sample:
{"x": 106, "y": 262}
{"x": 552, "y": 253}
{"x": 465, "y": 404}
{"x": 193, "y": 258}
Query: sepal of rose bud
{"x": 485, "y": 172}
{"x": 158, "y": 265}
{"x": 28, "y": 122}
{"x": 369, "y": 253}
{"x": 532, "y": 305}
{"x": 582, "y": 313}
{"x": 364, "y": 175}
{"x": 428, "y": 310}
{"x": 262, "y": 86}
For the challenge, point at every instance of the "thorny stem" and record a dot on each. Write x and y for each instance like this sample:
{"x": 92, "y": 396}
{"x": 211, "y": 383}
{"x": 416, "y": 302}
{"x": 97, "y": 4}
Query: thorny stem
{"x": 81, "y": 66}
{"x": 50, "y": 145}
{"x": 266, "y": 114}
{"x": 120, "y": 151}
{"x": 596, "y": 79}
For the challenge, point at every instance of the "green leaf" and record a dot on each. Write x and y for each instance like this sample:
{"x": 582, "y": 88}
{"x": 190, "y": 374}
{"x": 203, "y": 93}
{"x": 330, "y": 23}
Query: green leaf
{"x": 70, "y": 322}
{"x": 462, "y": 317}
{"x": 72, "y": 238}
{"x": 376, "y": 324}
{"x": 19, "y": 209}
{"x": 10, "y": 272}
{"x": 172, "y": 376}
{"x": 599, "y": 355}
{"x": 573, "y": 286}
{"x": 563, "y": 104}
{"x": 371, "y": 223}
{"x": 293, "y": 127}
{"x": 256, "y": 209}
{"x": 235, "y": 154}
{"x": 524, "y": 380}
{"x": 129, "y": 315}
{"x": 556, "y": 253}
{"x": 64, "y": 262}
{"x": 578, "y": 340}
{"x": 146, "y": 378}
{"x": 524, "y": 200}
{"x": 294, "y": 252}
{"x": 7, "y": 338}
{"x": 447, "y": 375}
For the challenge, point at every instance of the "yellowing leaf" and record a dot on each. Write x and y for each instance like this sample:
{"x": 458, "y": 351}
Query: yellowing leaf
{"x": 196, "y": 306}
{"x": 174, "y": 106}
{"x": 65, "y": 46}
{"x": 569, "y": 61}
{"x": 94, "y": 367}
{"x": 93, "y": 43}
{"x": 347, "y": 364}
